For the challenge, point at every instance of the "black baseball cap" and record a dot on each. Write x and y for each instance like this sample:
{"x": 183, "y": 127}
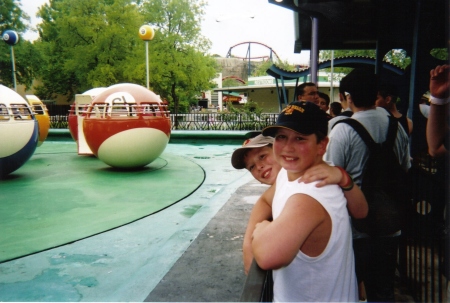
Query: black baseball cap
{"x": 302, "y": 117}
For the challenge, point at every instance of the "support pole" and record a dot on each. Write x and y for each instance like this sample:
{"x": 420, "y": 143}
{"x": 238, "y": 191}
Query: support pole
{"x": 314, "y": 49}
{"x": 146, "y": 33}
{"x": 332, "y": 77}
{"x": 146, "y": 61}
{"x": 13, "y": 68}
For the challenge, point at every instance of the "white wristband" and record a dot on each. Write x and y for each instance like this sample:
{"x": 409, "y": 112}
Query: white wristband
{"x": 437, "y": 101}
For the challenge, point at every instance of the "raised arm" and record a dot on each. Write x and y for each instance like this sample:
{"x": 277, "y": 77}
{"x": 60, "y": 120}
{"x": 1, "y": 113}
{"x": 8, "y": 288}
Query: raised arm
{"x": 275, "y": 244}
{"x": 356, "y": 201}
{"x": 261, "y": 211}
{"x": 437, "y": 127}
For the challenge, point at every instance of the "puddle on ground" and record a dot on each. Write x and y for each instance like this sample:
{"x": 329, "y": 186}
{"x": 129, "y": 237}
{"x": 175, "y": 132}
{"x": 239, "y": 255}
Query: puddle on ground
{"x": 190, "y": 210}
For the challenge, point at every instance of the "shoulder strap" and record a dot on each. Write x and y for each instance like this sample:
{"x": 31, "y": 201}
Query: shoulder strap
{"x": 346, "y": 113}
{"x": 392, "y": 132}
{"x": 367, "y": 138}
{"x": 361, "y": 130}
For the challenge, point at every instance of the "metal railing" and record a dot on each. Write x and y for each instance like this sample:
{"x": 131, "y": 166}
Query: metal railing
{"x": 423, "y": 261}
{"x": 202, "y": 121}
{"x": 258, "y": 286}
{"x": 59, "y": 121}
{"x": 222, "y": 121}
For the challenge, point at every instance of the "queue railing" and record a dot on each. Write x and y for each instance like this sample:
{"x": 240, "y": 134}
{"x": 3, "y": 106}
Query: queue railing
{"x": 222, "y": 121}
{"x": 258, "y": 285}
{"x": 202, "y": 121}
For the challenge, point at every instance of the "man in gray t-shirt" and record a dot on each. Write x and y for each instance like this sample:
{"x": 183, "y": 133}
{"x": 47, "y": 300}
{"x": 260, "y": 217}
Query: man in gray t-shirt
{"x": 346, "y": 149}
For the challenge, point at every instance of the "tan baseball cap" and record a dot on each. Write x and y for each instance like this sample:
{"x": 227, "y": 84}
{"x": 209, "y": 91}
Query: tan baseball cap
{"x": 237, "y": 159}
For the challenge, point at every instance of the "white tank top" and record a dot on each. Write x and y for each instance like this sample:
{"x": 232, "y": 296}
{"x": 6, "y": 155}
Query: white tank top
{"x": 329, "y": 277}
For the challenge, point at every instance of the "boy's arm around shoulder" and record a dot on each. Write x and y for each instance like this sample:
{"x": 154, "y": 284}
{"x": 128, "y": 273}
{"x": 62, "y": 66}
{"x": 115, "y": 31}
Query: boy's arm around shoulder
{"x": 326, "y": 174}
{"x": 275, "y": 244}
{"x": 262, "y": 210}
{"x": 356, "y": 203}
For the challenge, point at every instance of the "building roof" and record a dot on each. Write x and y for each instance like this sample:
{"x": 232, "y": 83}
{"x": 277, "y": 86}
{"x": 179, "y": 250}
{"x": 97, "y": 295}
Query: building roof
{"x": 366, "y": 24}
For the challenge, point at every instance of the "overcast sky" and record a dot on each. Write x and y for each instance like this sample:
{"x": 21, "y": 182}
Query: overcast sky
{"x": 230, "y": 22}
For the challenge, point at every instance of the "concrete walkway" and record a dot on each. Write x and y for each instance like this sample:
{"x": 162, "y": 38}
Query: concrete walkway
{"x": 135, "y": 262}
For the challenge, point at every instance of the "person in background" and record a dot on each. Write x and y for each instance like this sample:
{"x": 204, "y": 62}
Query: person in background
{"x": 387, "y": 98}
{"x": 335, "y": 109}
{"x": 324, "y": 104}
{"x": 307, "y": 92}
{"x": 324, "y": 101}
{"x": 308, "y": 244}
{"x": 376, "y": 257}
{"x": 437, "y": 124}
{"x": 345, "y": 99}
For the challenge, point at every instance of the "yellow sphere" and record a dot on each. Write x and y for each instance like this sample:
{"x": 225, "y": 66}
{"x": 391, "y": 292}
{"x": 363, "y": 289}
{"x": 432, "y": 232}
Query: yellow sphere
{"x": 146, "y": 32}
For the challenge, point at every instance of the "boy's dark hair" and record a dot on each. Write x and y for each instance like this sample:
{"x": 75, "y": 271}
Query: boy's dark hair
{"x": 387, "y": 89}
{"x": 336, "y": 108}
{"x": 361, "y": 84}
{"x": 300, "y": 90}
{"x": 325, "y": 97}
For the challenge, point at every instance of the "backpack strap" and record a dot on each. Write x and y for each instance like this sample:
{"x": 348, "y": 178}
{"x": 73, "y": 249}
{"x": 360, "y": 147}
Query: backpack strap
{"x": 346, "y": 113}
{"x": 367, "y": 138}
{"x": 362, "y": 132}
{"x": 392, "y": 132}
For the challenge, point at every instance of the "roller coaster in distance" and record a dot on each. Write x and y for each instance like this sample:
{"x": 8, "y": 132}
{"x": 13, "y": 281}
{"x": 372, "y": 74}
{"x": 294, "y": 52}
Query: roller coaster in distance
{"x": 248, "y": 56}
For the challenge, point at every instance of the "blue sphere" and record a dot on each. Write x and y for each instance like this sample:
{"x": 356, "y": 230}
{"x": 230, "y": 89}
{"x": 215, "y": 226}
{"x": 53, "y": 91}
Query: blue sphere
{"x": 10, "y": 37}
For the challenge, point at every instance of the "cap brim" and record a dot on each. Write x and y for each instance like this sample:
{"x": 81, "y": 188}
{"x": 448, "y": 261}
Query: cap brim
{"x": 272, "y": 130}
{"x": 237, "y": 158}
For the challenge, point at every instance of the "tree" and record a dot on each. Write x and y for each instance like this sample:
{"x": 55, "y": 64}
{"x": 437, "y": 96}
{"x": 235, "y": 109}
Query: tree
{"x": 179, "y": 65}
{"x": 86, "y": 44}
{"x": 13, "y": 18}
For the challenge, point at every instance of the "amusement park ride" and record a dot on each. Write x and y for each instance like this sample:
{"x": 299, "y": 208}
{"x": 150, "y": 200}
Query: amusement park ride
{"x": 19, "y": 131}
{"x": 124, "y": 125}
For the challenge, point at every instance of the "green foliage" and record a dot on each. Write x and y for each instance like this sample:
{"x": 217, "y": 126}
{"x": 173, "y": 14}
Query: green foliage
{"x": 249, "y": 115}
{"x": 231, "y": 83}
{"x": 440, "y": 53}
{"x": 398, "y": 57}
{"x": 85, "y": 44}
{"x": 326, "y": 55}
{"x": 13, "y": 18}
{"x": 261, "y": 69}
{"x": 179, "y": 66}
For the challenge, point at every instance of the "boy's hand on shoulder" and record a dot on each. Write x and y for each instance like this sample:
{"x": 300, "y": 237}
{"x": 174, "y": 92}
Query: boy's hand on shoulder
{"x": 325, "y": 173}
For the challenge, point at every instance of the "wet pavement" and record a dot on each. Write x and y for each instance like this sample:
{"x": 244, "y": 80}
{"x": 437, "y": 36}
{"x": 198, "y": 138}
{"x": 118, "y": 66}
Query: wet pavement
{"x": 190, "y": 251}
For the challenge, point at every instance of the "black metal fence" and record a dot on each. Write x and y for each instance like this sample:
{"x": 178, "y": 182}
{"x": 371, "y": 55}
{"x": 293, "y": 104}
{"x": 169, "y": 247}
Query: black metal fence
{"x": 198, "y": 121}
{"x": 222, "y": 121}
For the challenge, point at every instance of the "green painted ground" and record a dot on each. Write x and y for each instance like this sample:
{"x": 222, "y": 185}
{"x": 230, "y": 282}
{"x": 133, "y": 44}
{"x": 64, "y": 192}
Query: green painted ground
{"x": 59, "y": 197}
